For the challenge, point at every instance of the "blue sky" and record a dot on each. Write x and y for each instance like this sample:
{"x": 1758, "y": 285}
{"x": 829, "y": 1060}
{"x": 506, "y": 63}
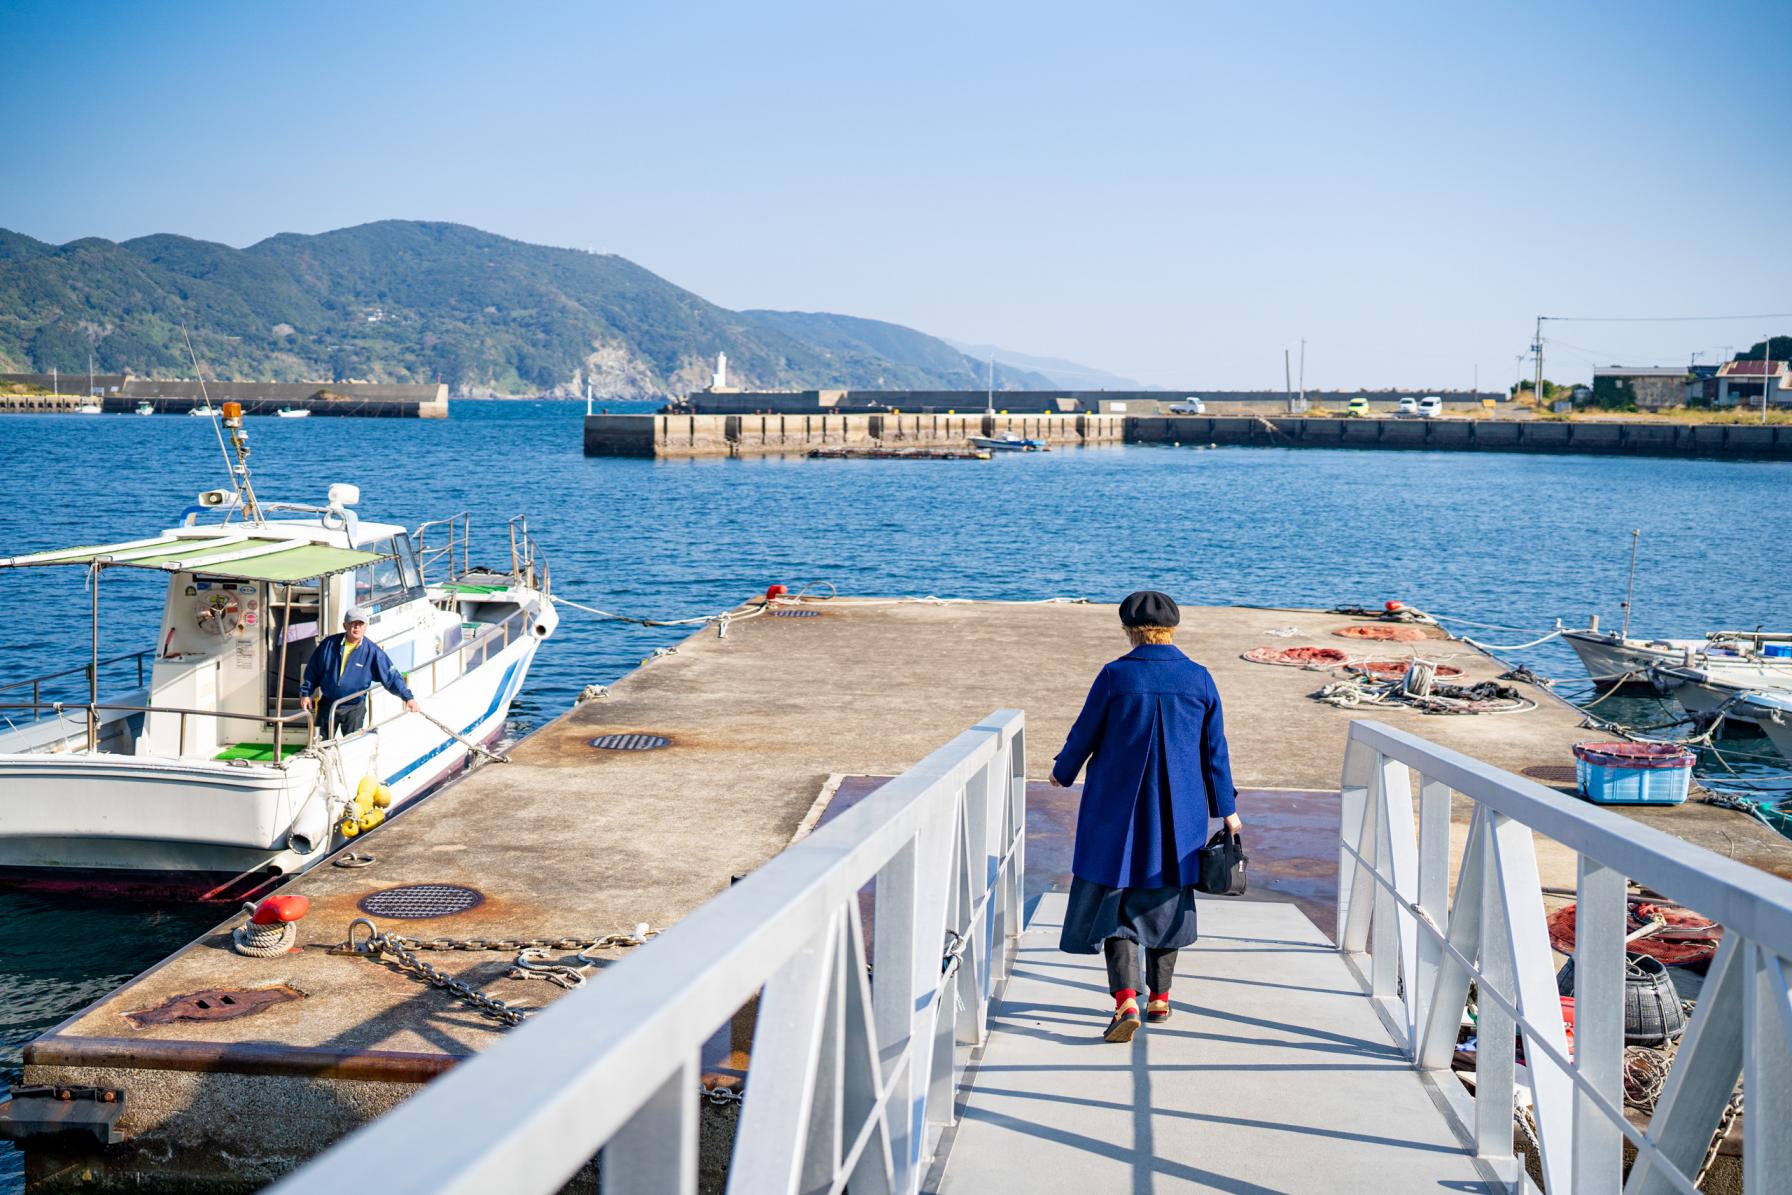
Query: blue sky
{"x": 1176, "y": 192}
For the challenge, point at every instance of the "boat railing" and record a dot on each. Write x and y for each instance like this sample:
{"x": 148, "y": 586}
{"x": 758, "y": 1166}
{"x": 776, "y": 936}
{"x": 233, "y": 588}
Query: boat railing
{"x": 854, "y": 1069}
{"x": 92, "y": 711}
{"x": 447, "y": 540}
{"x": 527, "y": 563}
{"x": 1417, "y": 952}
{"x": 85, "y": 671}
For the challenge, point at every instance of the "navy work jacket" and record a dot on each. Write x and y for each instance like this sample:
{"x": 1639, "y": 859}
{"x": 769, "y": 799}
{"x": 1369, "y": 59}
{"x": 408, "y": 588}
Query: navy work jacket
{"x": 368, "y": 665}
{"x": 1154, "y": 739}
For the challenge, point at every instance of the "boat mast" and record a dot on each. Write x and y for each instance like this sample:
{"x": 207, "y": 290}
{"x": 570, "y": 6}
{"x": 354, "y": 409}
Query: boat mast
{"x": 1630, "y": 590}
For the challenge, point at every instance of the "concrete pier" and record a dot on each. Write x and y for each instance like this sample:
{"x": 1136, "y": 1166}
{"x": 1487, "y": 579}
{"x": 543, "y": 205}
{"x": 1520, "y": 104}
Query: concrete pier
{"x": 759, "y": 435}
{"x": 775, "y": 435}
{"x": 569, "y": 840}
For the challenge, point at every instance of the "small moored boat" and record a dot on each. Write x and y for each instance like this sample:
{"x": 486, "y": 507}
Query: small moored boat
{"x": 293, "y": 413}
{"x": 146, "y": 408}
{"x": 1009, "y": 443}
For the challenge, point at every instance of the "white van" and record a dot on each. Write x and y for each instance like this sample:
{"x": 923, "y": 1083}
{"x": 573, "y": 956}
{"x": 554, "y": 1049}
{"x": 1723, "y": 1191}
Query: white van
{"x": 1189, "y": 406}
{"x": 1408, "y": 406}
{"x": 1430, "y": 407}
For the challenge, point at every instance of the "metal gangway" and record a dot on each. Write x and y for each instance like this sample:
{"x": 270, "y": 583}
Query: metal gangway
{"x": 955, "y": 1050}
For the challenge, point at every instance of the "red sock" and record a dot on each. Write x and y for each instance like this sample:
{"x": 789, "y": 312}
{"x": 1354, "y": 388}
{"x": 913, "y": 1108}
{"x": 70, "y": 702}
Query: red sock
{"x": 1123, "y": 995}
{"x": 1164, "y": 996}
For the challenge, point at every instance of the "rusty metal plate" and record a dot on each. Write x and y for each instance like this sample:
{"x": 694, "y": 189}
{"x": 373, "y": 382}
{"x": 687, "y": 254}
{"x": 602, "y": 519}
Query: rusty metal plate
{"x": 213, "y": 1004}
{"x": 630, "y": 742}
{"x": 1551, "y": 773}
{"x": 416, "y": 902}
{"x": 796, "y": 613}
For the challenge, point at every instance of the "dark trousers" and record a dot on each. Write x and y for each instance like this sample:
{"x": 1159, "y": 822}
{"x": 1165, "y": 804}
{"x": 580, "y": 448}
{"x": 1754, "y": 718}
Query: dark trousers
{"x": 1123, "y": 966}
{"x": 348, "y": 718}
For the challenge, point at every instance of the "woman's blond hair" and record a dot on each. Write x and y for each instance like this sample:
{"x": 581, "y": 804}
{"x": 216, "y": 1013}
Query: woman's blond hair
{"x": 1139, "y": 636}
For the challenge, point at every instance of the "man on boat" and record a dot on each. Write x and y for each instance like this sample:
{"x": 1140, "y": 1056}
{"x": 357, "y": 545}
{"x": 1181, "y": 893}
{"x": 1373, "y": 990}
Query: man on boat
{"x": 347, "y": 665}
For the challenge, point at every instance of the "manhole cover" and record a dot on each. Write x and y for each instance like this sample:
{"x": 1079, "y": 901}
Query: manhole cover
{"x": 413, "y": 902}
{"x": 630, "y": 742}
{"x": 796, "y": 613}
{"x": 1552, "y": 773}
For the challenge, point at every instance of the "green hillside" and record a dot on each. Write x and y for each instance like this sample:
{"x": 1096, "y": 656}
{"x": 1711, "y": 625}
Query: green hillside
{"x": 407, "y": 301}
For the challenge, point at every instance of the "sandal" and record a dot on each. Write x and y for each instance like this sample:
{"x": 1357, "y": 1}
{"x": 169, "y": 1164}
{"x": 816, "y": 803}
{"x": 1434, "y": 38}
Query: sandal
{"x": 1157, "y": 1011}
{"x": 1124, "y": 1024}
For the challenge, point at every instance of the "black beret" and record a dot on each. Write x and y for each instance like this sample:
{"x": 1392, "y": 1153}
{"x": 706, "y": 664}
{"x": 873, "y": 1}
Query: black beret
{"x": 1149, "y": 608}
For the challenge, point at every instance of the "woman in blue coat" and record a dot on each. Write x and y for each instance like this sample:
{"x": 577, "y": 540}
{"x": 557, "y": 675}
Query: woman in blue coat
{"x": 1155, "y": 742}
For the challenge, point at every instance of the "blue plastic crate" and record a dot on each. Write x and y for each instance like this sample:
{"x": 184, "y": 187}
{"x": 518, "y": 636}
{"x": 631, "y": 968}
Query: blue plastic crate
{"x": 1777, "y": 651}
{"x": 1633, "y": 773}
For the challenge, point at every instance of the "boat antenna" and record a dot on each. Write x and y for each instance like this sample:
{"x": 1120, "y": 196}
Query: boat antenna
{"x": 1630, "y": 590}
{"x": 239, "y": 469}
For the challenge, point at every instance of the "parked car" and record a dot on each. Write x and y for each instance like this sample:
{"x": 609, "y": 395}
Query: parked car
{"x": 1431, "y": 406}
{"x": 1358, "y": 408}
{"x": 1408, "y": 406}
{"x": 1188, "y": 406}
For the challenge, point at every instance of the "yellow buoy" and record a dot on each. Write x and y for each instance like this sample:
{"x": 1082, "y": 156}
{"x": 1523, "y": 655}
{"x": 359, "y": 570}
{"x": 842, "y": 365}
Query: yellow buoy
{"x": 349, "y": 827}
{"x": 371, "y": 819}
{"x": 382, "y": 797}
{"x": 369, "y": 785}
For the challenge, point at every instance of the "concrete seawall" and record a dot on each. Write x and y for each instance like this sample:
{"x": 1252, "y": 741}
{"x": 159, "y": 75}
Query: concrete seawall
{"x": 767, "y": 435}
{"x": 1734, "y": 440}
{"x": 774, "y": 435}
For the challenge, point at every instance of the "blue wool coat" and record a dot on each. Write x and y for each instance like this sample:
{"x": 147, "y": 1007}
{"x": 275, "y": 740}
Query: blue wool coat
{"x": 1155, "y": 741}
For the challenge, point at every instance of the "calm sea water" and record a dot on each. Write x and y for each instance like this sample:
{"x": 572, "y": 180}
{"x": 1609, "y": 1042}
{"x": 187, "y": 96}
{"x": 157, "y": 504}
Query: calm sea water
{"x": 1511, "y": 540}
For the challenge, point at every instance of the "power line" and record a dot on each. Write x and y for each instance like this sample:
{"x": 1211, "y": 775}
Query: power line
{"x": 1655, "y": 319}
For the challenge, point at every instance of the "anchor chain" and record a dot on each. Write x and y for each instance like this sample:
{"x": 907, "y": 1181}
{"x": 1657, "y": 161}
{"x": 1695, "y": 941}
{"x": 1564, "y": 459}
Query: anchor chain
{"x": 401, "y": 953}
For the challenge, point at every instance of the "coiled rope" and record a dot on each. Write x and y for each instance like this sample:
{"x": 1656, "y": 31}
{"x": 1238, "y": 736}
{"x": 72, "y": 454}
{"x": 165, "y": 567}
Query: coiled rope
{"x": 263, "y": 941}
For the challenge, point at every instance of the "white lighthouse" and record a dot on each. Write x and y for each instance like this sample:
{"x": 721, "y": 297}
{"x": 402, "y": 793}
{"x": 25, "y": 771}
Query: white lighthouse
{"x": 721, "y": 379}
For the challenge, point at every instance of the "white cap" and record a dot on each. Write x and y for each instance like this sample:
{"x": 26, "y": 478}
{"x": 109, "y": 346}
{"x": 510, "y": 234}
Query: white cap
{"x": 355, "y": 614}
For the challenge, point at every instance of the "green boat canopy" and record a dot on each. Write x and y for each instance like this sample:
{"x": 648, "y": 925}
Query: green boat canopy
{"x": 241, "y": 557}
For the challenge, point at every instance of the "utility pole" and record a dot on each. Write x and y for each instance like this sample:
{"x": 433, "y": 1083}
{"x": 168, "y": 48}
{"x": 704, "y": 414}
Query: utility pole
{"x": 1303, "y": 375}
{"x": 1537, "y": 347}
{"x": 1288, "y": 380}
{"x": 1766, "y": 378}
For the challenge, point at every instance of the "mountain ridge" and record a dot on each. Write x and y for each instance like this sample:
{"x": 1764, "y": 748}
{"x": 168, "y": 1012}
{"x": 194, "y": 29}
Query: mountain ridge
{"x": 418, "y": 301}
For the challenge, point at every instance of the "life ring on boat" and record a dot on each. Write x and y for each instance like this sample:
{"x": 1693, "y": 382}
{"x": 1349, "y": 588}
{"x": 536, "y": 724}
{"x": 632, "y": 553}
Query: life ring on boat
{"x": 218, "y": 613}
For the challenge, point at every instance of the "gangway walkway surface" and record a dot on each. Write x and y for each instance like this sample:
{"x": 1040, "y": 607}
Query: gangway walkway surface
{"x": 1273, "y": 1074}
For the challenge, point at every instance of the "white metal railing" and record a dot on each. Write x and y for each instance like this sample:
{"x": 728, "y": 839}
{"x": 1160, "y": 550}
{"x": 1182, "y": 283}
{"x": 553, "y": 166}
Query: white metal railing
{"x": 1421, "y": 950}
{"x": 853, "y": 1071}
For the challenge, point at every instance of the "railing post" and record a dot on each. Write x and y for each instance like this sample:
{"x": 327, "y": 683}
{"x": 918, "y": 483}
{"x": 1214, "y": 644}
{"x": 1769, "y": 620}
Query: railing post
{"x": 1495, "y": 1029}
{"x": 1360, "y": 761}
{"x": 655, "y": 1152}
{"x": 894, "y": 993}
{"x": 1767, "y": 1074}
{"x": 1434, "y": 900}
{"x": 1598, "y": 1025}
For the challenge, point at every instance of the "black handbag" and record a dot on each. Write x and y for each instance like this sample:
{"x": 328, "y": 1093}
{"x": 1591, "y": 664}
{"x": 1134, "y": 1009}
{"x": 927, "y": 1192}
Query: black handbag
{"x": 1222, "y": 862}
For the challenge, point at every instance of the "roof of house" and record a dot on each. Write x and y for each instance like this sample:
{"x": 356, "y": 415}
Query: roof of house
{"x": 1751, "y": 369}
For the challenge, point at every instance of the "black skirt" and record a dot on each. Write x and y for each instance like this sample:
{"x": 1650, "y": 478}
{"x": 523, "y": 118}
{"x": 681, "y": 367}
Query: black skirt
{"x": 1155, "y": 918}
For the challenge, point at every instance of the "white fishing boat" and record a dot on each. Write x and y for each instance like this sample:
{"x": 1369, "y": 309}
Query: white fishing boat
{"x": 203, "y": 774}
{"x": 1613, "y": 658}
{"x": 90, "y": 408}
{"x": 1772, "y": 712}
{"x": 1009, "y": 443}
{"x": 204, "y": 411}
{"x": 293, "y": 413}
{"x": 1731, "y": 691}
{"x": 146, "y": 408}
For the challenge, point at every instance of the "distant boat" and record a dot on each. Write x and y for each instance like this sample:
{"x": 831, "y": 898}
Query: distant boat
{"x": 1010, "y": 443}
{"x": 293, "y": 413}
{"x": 206, "y": 412}
{"x": 146, "y": 408}
{"x": 89, "y": 408}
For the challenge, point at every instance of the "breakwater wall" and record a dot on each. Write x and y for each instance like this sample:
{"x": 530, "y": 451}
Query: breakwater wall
{"x": 774, "y": 435}
{"x": 363, "y": 399}
{"x": 1735, "y": 440}
{"x": 768, "y": 435}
